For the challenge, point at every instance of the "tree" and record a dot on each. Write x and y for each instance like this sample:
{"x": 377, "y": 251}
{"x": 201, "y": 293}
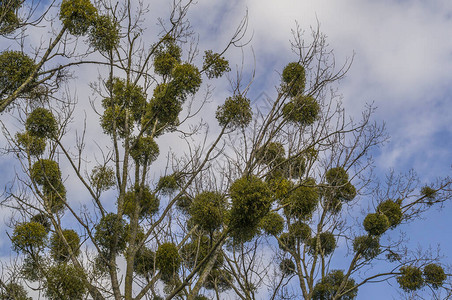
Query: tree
{"x": 281, "y": 176}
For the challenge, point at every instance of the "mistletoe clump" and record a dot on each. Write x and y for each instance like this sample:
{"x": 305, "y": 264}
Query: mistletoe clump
{"x": 434, "y": 275}
{"x": 15, "y": 68}
{"x": 43, "y": 220}
{"x": 9, "y": 20}
{"x": 58, "y": 249}
{"x": 272, "y": 223}
{"x": 392, "y": 211}
{"x": 144, "y": 150}
{"x": 287, "y": 267}
{"x": 300, "y": 231}
{"x": 33, "y": 145}
{"x": 14, "y": 291}
{"x": 144, "y": 263}
{"x": 301, "y": 110}
{"x": 251, "y": 201}
{"x": 77, "y": 15}
{"x": 293, "y": 79}
{"x": 271, "y": 153}
{"x": 41, "y": 123}
{"x": 214, "y": 64}
{"x": 111, "y": 234}
{"x": 208, "y": 210}
{"x": 167, "y": 259}
{"x": 146, "y": 200}
{"x": 410, "y": 278}
{"x": 376, "y": 224}
{"x": 28, "y": 237}
{"x": 367, "y": 246}
{"x": 330, "y": 285}
{"x": 168, "y": 184}
{"x": 167, "y": 57}
{"x": 65, "y": 282}
{"x": 186, "y": 79}
{"x": 102, "y": 178}
{"x": 323, "y": 243}
{"x": 46, "y": 172}
{"x": 104, "y": 33}
{"x": 235, "y": 112}
{"x": 303, "y": 201}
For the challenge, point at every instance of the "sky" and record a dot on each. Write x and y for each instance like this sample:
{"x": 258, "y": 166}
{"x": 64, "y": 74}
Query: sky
{"x": 402, "y": 62}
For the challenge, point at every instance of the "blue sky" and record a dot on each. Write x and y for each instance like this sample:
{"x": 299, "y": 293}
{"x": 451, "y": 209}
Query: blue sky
{"x": 402, "y": 63}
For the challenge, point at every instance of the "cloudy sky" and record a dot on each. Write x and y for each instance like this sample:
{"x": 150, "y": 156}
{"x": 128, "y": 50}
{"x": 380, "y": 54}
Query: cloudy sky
{"x": 402, "y": 63}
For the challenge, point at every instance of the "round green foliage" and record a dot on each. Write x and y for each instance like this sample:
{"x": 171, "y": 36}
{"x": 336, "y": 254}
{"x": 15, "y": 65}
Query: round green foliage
{"x": 46, "y": 172}
{"x": 32, "y": 268}
{"x": 300, "y": 231}
{"x": 303, "y": 201}
{"x": 144, "y": 262}
{"x": 376, "y": 224}
{"x": 410, "y": 278}
{"x": 54, "y": 196}
{"x": 201, "y": 297}
{"x": 102, "y": 178}
{"x": 367, "y": 246}
{"x": 346, "y": 192}
{"x": 272, "y": 223}
{"x": 279, "y": 185}
{"x": 219, "y": 279}
{"x": 287, "y": 242}
{"x": 271, "y": 153}
{"x": 77, "y": 15}
{"x": 434, "y": 275}
{"x": 391, "y": 210}
{"x": 65, "y": 282}
{"x": 302, "y": 110}
{"x": 336, "y": 176}
{"x": 14, "y": 291}
{"x": 428, "y": 193}
{"x": 251, "y": 201}
{"x": 32, "y": 145}
{"x": 164, "y": 106}
{"x": 186, "y": 79}
{"x": 166, "y": 58}
{"x": 167, "y": 259}
{"x": 294, "y": 79}
{"x": 147, "y": 201}
{"x": 126, "y": 95}
{"x": 58, "y": 249}
{"x": 208, "y": 210}
{"x": 235, "y": 112}
{"x": 214, "y": 64}
{"x": 330, "y": 285}
{"x": 43, "y": 220}
{"x": 287, "y": 267}
{"x": 104, "y": 34}
{"x": 9, "y": 20}
{"x": 326, "y": 241}
{"x": 168, "y": 184}
{"x": 15, "y": 68}
{"x": 28, "y": 237}
{"x": 41, "y": 123}
{"x": 183, "y": 203}
{"x": 116, "y": 119}
{"x": 144, "y": 150}
{"x": 111, "y": 234}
